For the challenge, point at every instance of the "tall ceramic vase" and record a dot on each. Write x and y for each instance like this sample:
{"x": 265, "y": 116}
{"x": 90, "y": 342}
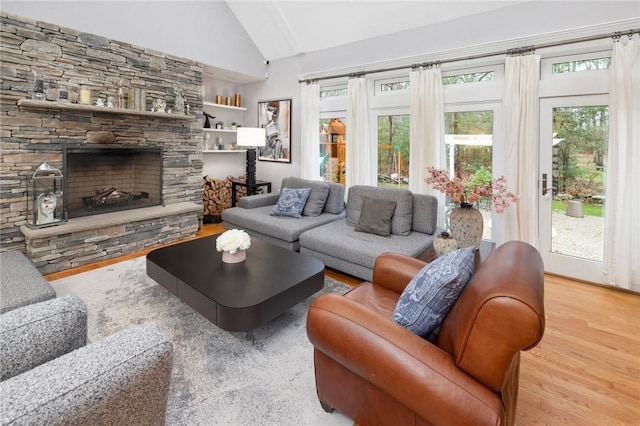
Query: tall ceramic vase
{"x": 466, "y": 225}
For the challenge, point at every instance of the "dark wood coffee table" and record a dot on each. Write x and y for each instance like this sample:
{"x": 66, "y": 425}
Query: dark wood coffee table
{"x": 239, "y": 296}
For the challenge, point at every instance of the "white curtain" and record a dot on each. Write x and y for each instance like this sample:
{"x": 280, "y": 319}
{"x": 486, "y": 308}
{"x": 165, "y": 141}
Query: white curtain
{"x": 426, "y": 131}
{"x": 360, "y": 154}
{"x": 622, "y": 207}
{"x": 310, "y": 122}
{"x": 522, "y": 78}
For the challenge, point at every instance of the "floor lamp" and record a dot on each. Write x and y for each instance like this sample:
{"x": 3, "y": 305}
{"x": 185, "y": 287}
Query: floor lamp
{"x": 251, "y": 137}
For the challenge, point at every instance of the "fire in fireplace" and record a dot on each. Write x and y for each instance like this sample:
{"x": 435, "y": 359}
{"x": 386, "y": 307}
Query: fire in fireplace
{"x": 107, "y": 178}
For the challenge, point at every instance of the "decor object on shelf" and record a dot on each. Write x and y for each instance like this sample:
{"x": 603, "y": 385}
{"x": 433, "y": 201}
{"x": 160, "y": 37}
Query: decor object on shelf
{"x": 275, "y": 117}
{"x": 219, "y": 99}
{"x": 466, "y": 222}
{"x": 179, "y": 100}
{"x": 207, "y": 123}
{"x": 238, "y": 100}
{"x": 233, "y": 245}
{"x": 38, "y": 85}
{"x": 159, "y": 105}
{"x": 444, "y": 243}
{"x": 251, "y": 137}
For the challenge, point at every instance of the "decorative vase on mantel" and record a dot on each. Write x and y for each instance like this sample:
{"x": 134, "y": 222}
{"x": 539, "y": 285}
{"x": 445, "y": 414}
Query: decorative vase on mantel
{"x": 466, "y": 225}
{"x": 237, "y": 257}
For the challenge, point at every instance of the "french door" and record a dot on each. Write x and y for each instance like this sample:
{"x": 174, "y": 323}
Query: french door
{"x": 573, "y": 150}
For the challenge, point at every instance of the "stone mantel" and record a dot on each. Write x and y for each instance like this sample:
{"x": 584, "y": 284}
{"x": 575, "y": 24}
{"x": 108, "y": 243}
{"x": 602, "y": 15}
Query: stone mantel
{"x": 30, "y": 103}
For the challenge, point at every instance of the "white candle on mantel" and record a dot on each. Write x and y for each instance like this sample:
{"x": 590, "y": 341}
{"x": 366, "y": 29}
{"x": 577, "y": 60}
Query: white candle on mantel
{"x": 85, "y": 95}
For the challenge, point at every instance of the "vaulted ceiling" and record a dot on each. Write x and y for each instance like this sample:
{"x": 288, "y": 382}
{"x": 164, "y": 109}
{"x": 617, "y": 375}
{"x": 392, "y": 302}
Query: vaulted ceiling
{"x": 284, "y": 28}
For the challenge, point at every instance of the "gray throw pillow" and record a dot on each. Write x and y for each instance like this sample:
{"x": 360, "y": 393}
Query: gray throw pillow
{"x": 291, "y": 202}
{"x": 375, "y": 217}
{"x": 317, "y": 197}
{"x": 426, "y": 301}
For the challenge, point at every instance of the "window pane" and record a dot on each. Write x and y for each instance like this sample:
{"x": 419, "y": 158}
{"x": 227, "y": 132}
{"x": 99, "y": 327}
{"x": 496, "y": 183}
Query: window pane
{"x": 583, "y": 65}
{"x": 469, "y": 151}
{"x": 469, "y": 78}
{"x": 333, "y": 149}
{"x": 330, "y": 93}
{"x": 579, "y": 154}
{"x": 393, "y": 151}
{"x": 398, "y": 85}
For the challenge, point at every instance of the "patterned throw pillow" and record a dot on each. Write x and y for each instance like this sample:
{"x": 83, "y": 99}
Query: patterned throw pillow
{"x": 291, "y": 202}
{"x": 426, "y": 301}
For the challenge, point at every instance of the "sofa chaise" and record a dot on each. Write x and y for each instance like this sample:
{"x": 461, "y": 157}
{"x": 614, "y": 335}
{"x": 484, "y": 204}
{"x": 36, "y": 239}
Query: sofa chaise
{"x": 324, "y": 204}
{"x": 342, "y": 247}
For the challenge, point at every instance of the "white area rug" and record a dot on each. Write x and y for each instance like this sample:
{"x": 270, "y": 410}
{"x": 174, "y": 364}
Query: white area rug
{"x": 261, "y": 377}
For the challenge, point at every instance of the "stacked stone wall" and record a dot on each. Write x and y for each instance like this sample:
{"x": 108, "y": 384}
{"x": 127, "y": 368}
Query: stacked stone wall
{"x": 30, "y": 136}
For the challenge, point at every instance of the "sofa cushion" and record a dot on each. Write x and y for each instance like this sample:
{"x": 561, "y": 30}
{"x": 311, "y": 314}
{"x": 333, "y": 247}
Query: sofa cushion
{"x": 317, "y": 196}
{"x": 375, "y": 217}
{"x": 34, "y": 334}
{"x": 425, "y": 213}
{"x": 429, "y": 296}
{"x": 21, "y": 283}
{"x": 403, "y": 215}
{"x": 335, "y": 200}
{"x": 291, "y": 202}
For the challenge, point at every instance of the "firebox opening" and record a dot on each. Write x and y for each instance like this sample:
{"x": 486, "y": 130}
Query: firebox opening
{"x": 108, "y": 178}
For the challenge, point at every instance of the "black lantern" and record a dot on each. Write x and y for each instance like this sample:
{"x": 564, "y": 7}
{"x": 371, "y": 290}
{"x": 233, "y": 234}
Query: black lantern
{"x": 46, "y": 197}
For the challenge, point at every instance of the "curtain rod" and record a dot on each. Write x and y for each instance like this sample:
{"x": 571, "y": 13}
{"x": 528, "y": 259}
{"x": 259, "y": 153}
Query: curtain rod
{"x": 614, "y": 35}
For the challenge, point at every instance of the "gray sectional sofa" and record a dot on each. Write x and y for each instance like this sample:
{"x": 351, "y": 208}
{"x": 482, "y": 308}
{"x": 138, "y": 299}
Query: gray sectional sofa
{"x": 325, "y": 204}
{"x": 332, "y": 236}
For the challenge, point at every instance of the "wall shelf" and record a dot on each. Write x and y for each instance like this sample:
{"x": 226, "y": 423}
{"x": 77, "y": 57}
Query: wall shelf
{"x": 222, "y": 151}
{"x": 213, "y": 104}
{"x": 30, "y": 103}
{"x": 219, "y": 130}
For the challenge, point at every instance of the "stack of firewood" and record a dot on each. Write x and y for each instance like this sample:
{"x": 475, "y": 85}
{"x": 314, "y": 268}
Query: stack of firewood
{"x": 216, "y": 196}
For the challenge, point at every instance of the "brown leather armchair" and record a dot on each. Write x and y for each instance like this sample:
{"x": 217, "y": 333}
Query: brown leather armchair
{"x": 379, "y": 373}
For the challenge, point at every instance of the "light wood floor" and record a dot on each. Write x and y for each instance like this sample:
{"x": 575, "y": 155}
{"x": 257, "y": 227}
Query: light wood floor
{"x": 586, "y": 370}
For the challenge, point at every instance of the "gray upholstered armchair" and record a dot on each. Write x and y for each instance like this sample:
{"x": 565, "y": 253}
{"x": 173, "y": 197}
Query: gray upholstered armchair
{"x": 49, "y": 375}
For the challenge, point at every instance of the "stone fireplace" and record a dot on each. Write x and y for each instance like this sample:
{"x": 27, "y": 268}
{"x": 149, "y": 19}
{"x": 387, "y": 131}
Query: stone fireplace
{"x": 136, "y": 189}
{"x": 102, "y": 179}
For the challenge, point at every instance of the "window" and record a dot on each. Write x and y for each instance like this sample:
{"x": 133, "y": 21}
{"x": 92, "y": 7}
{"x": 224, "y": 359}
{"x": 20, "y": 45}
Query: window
{"x": 469, "y": 78}
{"x": 393, "y": 150}
{"x": 333, "y": 92}
{"x": 333, "y": 148}
{"x": 581, "y": 65}
{"x": 469, "y": 151}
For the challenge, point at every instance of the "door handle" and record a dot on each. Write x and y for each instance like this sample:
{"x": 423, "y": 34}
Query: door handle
{"x": 545, "y": 189}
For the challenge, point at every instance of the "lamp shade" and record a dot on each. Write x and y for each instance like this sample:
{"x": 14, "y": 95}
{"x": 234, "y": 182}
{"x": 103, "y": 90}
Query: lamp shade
{"x": 251, "y": 136}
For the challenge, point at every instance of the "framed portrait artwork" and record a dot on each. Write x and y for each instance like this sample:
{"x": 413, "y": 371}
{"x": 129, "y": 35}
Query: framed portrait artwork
{"x": 275, "y": 118}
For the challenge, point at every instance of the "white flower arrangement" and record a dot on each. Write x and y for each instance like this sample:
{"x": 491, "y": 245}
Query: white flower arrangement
{"x": 232, "y": 241}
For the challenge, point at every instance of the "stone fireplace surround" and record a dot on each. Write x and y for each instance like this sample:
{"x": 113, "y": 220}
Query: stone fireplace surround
{"x": 34, "y": 132}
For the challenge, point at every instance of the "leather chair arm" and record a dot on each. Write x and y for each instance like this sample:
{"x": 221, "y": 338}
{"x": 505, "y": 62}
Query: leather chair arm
{"x": 418, "y": 374}
{"x": 394, "y": 271}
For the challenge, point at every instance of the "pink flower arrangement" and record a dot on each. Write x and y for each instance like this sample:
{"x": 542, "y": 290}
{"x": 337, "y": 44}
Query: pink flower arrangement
{"x": 470, "y": 188}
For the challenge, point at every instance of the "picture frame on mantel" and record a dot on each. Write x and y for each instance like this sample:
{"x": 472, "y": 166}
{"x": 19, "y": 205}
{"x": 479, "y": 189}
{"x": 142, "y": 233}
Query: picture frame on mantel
{"x": 275, "y": 117}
